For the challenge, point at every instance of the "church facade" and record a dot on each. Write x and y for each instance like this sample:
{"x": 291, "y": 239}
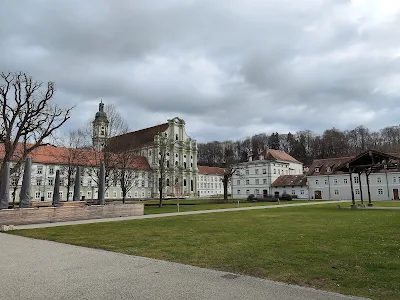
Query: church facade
{"x": 170, "y": 152}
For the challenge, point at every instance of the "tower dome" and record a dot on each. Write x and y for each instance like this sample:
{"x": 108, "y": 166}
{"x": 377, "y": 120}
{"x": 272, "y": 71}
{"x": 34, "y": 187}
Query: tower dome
{"x": 101, "y": 114}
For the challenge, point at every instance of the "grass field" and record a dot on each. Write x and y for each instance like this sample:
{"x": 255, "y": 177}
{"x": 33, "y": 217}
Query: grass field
{"x": 194, "y": 205}
{"x": 353, "y": 252}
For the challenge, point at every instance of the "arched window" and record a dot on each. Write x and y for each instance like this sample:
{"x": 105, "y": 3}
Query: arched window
{"x": 184, "y": 182}
{"x": 167, "y": 181}
{"x": 184, "y": 164}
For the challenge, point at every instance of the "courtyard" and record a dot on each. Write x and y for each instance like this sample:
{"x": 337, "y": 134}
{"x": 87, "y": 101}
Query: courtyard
{"x": 353, "y": 252}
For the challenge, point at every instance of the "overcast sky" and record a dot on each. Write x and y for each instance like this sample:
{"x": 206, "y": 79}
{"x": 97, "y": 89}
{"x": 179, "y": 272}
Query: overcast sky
{"x": 228, "y": 68}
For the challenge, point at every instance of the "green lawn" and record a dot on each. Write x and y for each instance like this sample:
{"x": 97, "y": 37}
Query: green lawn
{"x": 353, "y": 252}
{"x": 194, "y": 205}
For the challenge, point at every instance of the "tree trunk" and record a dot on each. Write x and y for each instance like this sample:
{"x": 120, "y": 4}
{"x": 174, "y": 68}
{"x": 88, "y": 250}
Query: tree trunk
{"x": 13, "y": 195}
{"x": 161, "y": 197}
{"x": 225, "y": 191}
{"x": 68, "y": 189}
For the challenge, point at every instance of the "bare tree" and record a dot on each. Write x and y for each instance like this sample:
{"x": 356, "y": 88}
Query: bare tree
{"x": 72, "y": 156}
{"x": 125, "y": 172}
{"x": 231, "y": 166}
{"x": 165, "y": 167}
{"x": 27, "y": 115}
{"x": 117, "y": 125}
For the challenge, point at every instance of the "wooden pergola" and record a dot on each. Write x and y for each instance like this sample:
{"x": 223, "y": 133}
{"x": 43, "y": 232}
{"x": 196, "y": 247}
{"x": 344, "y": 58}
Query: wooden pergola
{"x": 368, "y": 162}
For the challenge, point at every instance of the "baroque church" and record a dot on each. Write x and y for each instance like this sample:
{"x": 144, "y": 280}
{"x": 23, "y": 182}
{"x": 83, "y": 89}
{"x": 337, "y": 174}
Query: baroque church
{"x": 166, "y": 147}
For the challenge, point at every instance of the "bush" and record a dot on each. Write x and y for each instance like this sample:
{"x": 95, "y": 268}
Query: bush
{"x": 286, "y": 197}
{"x": 251, "y": 198}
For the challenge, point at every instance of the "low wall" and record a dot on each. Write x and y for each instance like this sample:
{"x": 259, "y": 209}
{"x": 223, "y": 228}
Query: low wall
{"x": 22, "y": 216}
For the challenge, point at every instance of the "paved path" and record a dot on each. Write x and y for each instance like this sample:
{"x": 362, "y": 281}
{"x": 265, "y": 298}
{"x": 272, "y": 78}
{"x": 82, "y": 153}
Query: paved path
{"x": 30, "y": 226}
{"x": 39, "y": 270}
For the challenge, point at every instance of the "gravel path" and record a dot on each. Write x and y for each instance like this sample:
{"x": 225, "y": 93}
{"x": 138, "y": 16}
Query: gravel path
{"x": 39, "y": 270}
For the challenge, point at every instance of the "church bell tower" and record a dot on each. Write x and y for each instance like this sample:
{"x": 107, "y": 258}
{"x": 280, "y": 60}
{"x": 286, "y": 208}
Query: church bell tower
{"x": 100, "y": 128}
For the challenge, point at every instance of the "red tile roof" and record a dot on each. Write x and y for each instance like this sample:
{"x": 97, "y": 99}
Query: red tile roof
{"x": 210, "y": 170}
{"x": 135, "y": 139}
{"x": 290, "y": 180}
{"x": 72, "y": 156}
{"x": 323, "y": 164}
{"x": 271, "y": 154}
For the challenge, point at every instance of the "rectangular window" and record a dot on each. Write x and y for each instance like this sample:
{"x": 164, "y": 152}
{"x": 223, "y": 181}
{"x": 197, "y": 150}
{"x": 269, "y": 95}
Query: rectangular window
{"x": 345, "y": 181}
{"x": 61, "y": 195}
{"x": 301, "y": 192}
{"x": 38, "y": 181}
{"x": 257, "y": 181}
{"x": 70, "y": 194}
{"x": 51, "y": 170}
{"x": 39, "y": 170}
{"x": 121, "y": 194}
{"x": 247, "y": 181}
{"x": 274, "y": 171}
{"x": 264, "y": 181}
{"x": 256, "y": 171}
{"x": 37, "y": 195}
{"x": 51, "y": 181}
{"x": 238, "y": 192}
{"x": 238, "y": 182}
{"x": 256, "y": 192}
{"x": 326, "y": 181}
{"x": 379, "y": 180}
{"x": 247, "y": 172}
{"x": 356, "y": 179}
{"x": 107, "y": 194}
{"x": 14, "y": 181}
{"x": 357, "y": 192}
{"x": 114, "y": 194}
{"x": 394, "y": 179}
{"x": 247, "y": 192}
{"x": 316, "y": 182}
{"x": 264, "y": 171}
{"x": 380, "y": 191}
{"x": 293, "y": 192}
{"x": 49, "y": 195}
{"x": 335, "y": 181}
{"x": 336, "y": 192}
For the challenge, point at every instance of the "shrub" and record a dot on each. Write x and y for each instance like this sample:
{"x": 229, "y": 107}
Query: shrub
{"x": 286, "y": 197}
{"x": 251, "y": 198}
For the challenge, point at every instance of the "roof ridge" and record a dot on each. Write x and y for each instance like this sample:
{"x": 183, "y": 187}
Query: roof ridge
{"x": 130, "y": 132}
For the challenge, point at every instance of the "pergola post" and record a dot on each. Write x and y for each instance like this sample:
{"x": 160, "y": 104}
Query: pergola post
{"x": 361, "y": 193}
{"x": 352, "y": 190}
{"x": 367, "y": 173}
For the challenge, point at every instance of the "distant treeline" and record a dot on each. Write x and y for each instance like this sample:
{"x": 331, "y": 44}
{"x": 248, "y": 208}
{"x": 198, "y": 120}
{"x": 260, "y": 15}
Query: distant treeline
{"x": 303, "y": 145}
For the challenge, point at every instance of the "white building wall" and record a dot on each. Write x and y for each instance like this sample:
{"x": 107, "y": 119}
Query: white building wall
{"x": 257, "y": 176}
{"x": 210, "y": 185}
{"x": 300, "y": 191}
{"x": 43, "y": 178}
{"x": 336, "y": 187}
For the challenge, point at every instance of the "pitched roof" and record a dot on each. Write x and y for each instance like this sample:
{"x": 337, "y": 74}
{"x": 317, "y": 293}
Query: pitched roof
{"x": 210, "y": 170}
{"x": 290, "y": 180}
{"x": 72, "y": 156}
{"x": 326, "y": 164}
{"x": 271, "y": 154}
{"x": 135, "y": 139}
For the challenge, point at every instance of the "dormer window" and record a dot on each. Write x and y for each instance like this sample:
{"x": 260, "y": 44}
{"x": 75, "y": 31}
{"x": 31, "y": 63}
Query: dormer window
{"x": 328, "y": 169}
{"x": 176, "y": 137}
{"x": 316, "y": 170}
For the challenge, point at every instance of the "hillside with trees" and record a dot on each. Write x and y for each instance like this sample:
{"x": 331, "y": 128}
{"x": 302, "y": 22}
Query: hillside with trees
{"x": 304, "y": 145}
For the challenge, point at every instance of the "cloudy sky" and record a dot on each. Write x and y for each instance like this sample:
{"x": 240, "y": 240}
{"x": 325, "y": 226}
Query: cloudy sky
{"x": 228, "y": 68}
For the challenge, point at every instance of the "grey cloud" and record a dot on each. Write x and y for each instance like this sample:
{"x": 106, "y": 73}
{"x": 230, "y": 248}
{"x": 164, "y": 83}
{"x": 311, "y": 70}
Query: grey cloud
{"x": 228, "y": 68}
